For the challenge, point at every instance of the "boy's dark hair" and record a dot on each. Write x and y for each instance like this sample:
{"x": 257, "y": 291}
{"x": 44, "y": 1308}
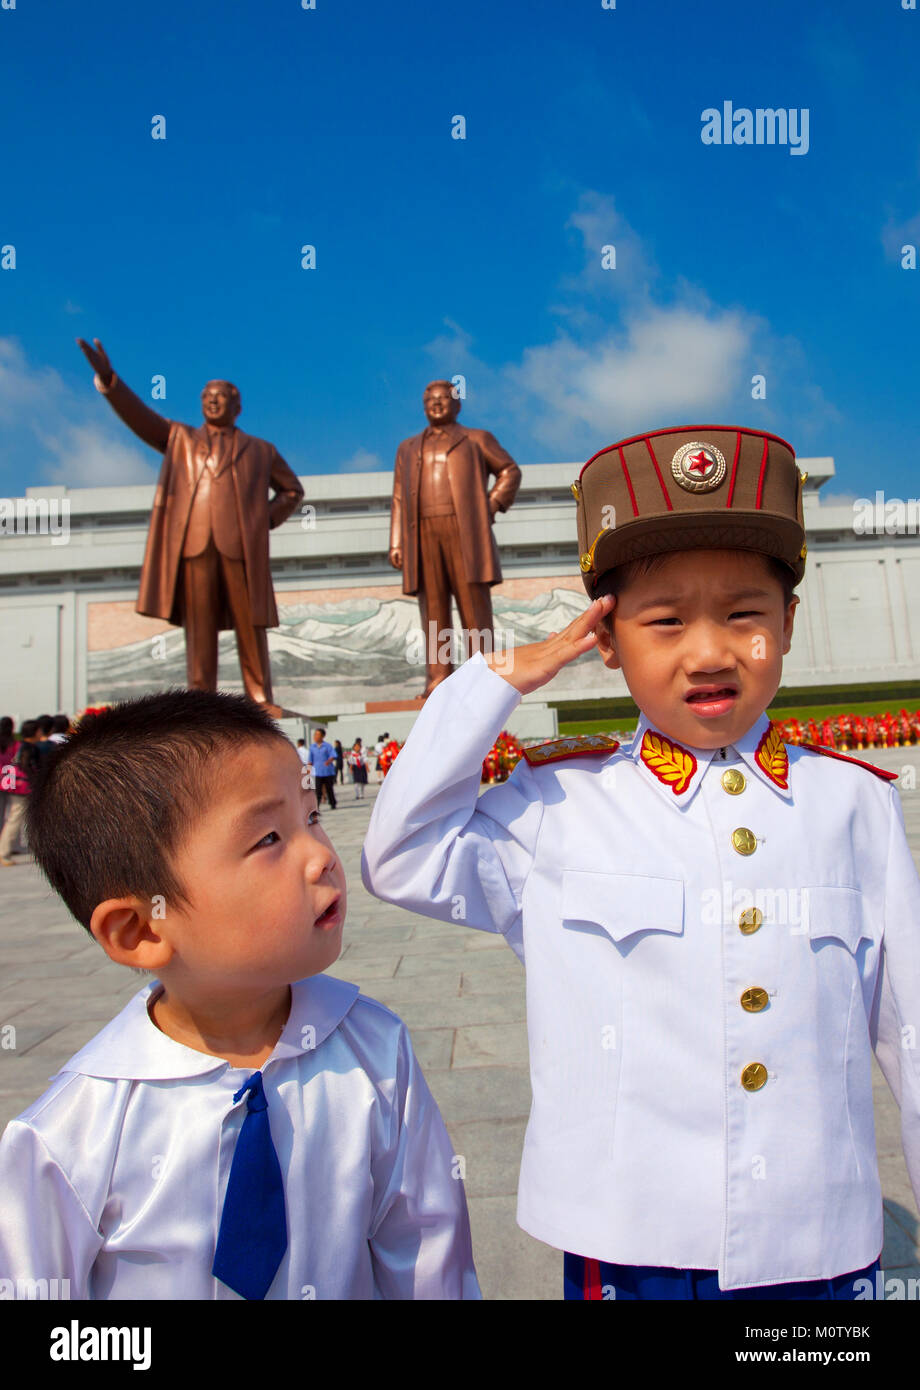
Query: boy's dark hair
{"x": 29, "y": 728}
{"x": 110, "y": 809}
{"x": 61, "y": 724}
{"x": 615, "y": 580}
{"x": 46, "y": 724}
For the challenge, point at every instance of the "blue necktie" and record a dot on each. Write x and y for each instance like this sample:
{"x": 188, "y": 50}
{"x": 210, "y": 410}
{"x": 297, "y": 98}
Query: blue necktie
{"x": 253, "y": 1226}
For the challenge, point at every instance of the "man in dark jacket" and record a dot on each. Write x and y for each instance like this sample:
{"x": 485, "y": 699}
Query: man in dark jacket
{"x": 206, "y": 566}
{"x": 441, "y": 525}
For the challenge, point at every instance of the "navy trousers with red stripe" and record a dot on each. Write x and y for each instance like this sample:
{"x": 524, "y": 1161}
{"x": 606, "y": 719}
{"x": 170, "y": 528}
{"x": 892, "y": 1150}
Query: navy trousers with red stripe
{"x": 593, "y": 1279}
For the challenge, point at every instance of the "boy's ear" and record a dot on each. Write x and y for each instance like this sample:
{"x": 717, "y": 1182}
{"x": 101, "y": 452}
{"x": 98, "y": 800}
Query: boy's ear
{"x": 126, "y": 929}
{"x": 605, "y": 643}
{"x": 788, "y": 621}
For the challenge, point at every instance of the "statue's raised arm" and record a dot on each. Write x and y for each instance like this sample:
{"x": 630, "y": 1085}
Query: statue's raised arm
{"x": 152, "y": 428}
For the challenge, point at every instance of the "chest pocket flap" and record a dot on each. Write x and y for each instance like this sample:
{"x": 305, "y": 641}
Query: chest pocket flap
{"x": 622, "y": 904}
{"x": 838, "y": 912}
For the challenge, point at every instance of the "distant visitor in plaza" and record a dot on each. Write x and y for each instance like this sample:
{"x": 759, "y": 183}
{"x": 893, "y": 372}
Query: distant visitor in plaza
{"x": 206, "y": 565}
{"x": 441, "y": 525}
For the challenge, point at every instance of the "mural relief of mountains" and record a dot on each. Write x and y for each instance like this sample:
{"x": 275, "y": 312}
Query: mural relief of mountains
{"x": 334, "y": 655}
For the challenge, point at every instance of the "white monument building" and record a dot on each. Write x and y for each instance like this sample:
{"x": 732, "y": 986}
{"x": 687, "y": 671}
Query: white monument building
{"x": 349, "y": 639}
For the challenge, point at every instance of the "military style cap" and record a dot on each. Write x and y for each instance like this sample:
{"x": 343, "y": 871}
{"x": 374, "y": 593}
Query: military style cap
{"x": 696, "y": 487}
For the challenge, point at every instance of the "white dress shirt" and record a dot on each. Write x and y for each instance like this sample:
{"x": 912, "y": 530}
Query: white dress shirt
{"x": 624, "y": 899}
{"x": 114, "y": 1179}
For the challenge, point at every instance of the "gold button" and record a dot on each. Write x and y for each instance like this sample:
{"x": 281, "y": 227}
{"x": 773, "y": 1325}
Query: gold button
{"x": 754, "y": 999}
{"x": 586, "y": 562}
{"x": 750, "y": 920}
{"x": 754, "y": 1076}
{"x": 733, "y": 781}
{"x": 744, "y": 840}
{"x": 575, "y": 490}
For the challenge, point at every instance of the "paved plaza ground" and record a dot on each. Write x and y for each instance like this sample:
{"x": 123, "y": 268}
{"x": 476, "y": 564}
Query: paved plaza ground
{"x": 461, "y": 992}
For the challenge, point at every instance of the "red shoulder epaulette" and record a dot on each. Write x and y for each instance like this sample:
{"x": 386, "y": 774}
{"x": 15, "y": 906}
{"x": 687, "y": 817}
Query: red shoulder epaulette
{"x": 845, "y": 758}
{"x": 576, "y": 747}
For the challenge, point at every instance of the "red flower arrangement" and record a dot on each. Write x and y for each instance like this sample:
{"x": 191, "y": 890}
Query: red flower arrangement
{"x": 497, "y": 764}
{"x": 842, "y": 732}
{"x": 856, "y": 731}
{"x": 501, "y": 758}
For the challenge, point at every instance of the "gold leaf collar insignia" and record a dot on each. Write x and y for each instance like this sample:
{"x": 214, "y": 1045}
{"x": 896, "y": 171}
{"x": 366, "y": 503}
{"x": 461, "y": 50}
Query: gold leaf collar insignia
{"x": 671, "y": 764}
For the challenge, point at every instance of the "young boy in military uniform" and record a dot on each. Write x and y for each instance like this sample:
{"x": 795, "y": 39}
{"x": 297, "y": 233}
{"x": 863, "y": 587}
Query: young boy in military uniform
{"x": 717, "y": 929}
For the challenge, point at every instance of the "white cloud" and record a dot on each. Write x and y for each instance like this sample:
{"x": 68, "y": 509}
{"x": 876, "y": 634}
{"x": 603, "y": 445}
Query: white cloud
{"x": 23, "y": 388}
{"x": 629, "y": 354}
{"x": 599, "y": 224}
{"x": 362, "y": 461}
{"x": 657, "y": 368}
{"x": 85, "y": 457}
{"x": 51, "y": 431}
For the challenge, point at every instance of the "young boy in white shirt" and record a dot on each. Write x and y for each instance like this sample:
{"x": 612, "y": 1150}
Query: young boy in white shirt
{"x": 717, "y": 930}
{"x": 246, "y": 1127}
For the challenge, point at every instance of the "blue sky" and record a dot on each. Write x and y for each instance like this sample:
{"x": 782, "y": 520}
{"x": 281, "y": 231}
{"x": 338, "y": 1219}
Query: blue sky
{"x": 438, "y": 256}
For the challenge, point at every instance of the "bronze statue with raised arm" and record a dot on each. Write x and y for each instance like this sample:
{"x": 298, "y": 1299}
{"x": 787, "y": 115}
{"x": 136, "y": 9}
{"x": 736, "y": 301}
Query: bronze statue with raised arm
{"x": 206, "y": 565}
{"x": 441, "y": 525}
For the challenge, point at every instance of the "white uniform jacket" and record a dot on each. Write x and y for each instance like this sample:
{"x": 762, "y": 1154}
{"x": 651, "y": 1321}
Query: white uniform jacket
{"x": 621, "y": 889}
{"x": 114, "y": 1179}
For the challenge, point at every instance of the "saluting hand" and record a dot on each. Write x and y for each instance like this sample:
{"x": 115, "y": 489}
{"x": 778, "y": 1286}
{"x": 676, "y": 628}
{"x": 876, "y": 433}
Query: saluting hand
{"x": 529, "y": 667}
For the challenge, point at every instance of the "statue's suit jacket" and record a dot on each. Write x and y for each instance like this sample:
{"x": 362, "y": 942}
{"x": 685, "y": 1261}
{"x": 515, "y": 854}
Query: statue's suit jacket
{"x": 255, "y": 466}
{"x": 471, "y": 456}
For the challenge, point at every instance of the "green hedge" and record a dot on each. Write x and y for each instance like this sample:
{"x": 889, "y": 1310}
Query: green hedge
{"x": 803, "y": 702}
